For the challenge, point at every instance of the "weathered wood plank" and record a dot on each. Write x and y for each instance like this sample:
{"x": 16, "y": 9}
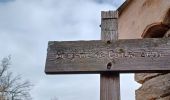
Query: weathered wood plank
{"x": 109, "y": 82}
{"x": 110, "y": 86}
{"x": 109, "y": 15}
{"x": 135, "y": 55}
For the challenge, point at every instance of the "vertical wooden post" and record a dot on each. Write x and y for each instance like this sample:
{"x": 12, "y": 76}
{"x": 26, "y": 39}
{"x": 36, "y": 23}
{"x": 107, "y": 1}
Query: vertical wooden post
{"x": 109, "y": 82}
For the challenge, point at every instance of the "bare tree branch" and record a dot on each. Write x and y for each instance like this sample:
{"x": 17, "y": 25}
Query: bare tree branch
{"x": 12, "y": 87}
{"x": 4, "y": 65}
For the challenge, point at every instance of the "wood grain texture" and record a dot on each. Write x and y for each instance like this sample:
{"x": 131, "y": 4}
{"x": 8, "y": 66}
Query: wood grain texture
{"x": 109, "y": 15}
{"x": 131, "y": 56}
{"x": 109, "y": 82}
{"x": 110, "y": 86}
{"x": 108, "y": 27}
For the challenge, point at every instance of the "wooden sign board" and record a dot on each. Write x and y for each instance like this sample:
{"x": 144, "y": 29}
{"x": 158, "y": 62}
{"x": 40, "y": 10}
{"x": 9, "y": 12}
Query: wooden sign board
{"x": 125, "y": 56}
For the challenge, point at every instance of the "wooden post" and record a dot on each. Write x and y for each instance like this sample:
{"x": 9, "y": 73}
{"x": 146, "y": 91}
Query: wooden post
{"x": 109, "y": 82}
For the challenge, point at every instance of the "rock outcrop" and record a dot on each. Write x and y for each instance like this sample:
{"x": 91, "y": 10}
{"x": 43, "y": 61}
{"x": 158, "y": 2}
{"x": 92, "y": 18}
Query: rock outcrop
{"x": 155, "y": 86}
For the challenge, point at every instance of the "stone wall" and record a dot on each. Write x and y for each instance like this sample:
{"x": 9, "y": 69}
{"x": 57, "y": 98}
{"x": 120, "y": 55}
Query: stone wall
{"x": 136, "y": 21}
{"x": 154, "y": 86}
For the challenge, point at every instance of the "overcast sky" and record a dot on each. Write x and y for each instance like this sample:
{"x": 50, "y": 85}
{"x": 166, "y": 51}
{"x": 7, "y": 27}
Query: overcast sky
{"x": 26, "y": 26}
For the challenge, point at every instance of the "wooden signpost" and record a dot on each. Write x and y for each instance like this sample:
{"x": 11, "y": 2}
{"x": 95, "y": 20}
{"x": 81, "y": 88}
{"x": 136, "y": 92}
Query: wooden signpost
{"x": 109, "y": 56}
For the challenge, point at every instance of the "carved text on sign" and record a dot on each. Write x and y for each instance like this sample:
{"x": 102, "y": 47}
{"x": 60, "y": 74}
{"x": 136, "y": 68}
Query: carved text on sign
{"x": 134, "y": 55}
{"x": 111, "y": 54}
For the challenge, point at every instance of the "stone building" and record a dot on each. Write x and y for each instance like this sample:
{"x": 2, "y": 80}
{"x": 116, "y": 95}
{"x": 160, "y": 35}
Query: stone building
{"x": 147, "y": 19}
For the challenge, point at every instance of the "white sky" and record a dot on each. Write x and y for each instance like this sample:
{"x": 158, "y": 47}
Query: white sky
{"x": 27, "y": 25}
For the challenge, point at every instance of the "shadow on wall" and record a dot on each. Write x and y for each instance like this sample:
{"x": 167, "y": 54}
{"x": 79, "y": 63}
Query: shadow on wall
{"x": 158, "y": 30}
